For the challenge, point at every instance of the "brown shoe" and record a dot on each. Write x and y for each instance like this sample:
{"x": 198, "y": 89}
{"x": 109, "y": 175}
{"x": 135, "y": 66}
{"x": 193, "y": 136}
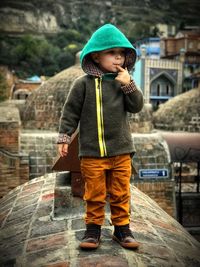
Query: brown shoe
{"x": 91, "y": 238}
{"x": 124, "y": 237}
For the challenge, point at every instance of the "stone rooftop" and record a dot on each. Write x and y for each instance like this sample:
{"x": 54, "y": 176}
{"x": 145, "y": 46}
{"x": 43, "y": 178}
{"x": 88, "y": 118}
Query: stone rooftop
{"x": 181, "y": 113}
{"x": 32, "y": 236}
{"x": 43, "y": 107}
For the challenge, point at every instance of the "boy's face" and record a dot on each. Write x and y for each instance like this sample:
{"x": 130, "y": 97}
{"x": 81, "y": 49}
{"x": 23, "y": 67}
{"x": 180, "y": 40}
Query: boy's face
{"x": 109, "y": 59}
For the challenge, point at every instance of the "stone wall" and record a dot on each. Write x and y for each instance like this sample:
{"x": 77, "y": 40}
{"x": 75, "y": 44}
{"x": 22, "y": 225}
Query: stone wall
{"x": 14, "y": 168}
{"x": 152, "y": 153}
{"x": 142, "y": 122}
{"x": 14, "y": 171}
{"x": 41, "y": 148}
{"x": 9, "y": 128}
{"x": 163, "y": 192}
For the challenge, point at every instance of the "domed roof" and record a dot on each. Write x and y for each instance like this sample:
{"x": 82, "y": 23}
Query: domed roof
{"x": 32, "y": 236}
{"x": 43, "y": 107}
{"x": 180, "y": 113}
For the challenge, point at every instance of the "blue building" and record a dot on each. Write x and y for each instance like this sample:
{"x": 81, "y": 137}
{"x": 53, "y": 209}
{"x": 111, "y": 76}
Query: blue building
{"x": 152, "y": 45}
{"x": 159, "y": 79}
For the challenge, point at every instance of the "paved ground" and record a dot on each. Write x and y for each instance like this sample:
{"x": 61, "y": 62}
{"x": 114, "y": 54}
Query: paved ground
{"x": 32, "y": 235}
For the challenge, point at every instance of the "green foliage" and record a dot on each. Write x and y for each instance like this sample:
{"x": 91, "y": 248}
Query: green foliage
{"x": 31, "y": 55}
{"x": 34, "y": 56}
{"x": 3, "y": 88}
{"x": 66, "y": 37}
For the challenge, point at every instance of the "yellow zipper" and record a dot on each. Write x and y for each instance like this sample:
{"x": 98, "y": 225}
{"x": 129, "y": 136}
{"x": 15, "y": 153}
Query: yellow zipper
{"x": 100, "y": 124}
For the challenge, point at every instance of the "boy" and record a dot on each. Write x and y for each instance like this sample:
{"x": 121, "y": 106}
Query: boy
{"x": 99, "y": 101}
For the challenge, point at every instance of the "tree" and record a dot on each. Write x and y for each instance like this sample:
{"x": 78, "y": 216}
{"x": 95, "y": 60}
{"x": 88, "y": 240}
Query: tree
{"x": 3, "y": 88}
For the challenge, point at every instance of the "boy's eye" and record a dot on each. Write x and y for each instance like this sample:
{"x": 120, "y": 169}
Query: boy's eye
{"x": 113, "y": 52}
{"x": 110, "y": 52}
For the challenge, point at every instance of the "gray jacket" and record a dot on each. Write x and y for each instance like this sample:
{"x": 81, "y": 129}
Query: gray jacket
{"x": 99, "y": 106}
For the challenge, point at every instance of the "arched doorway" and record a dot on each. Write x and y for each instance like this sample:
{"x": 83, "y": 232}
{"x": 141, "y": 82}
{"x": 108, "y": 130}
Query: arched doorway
{"x": 161, "y": 89}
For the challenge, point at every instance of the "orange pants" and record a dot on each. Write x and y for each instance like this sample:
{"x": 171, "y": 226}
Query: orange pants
{"x": 107, "y": 175}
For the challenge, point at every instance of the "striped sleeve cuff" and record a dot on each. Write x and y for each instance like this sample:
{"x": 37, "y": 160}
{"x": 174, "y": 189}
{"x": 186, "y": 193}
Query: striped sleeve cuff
{"x": 63, "y": 139}
{"x": 129, "y": 88}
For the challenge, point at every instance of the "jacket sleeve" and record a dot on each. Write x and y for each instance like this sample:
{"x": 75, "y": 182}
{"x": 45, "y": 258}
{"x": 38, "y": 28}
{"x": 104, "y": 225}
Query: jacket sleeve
{"x": 71, "y": 112}
{"x": 134, "y": 100}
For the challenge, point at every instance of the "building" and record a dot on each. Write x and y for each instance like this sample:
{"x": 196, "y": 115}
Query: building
{"x": 166, "y": 30}
{"x": 21, "y": 89}
{"x": 159, "y": 79}
{"x": 152, "y": 46}
{"x": 186, "y": 47}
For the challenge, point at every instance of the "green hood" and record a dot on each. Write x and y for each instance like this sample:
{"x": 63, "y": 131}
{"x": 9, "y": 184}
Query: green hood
{"x": 106, "y": 37}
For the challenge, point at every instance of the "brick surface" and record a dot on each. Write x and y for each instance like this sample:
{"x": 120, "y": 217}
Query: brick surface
{"x": 3, "y": 216}
{"x": 12, "y": 240}
{"x": 32, "y": 188}
{"x": 48, "y": 197}
{"x": 39, "y": 228}
{"x": 163, "y": 225}
{"x": 59, "y": 264}
{"x": 103, "y": 261}
{"x": 31, "y": 236}
{"x": 48, "y": 255}
{"x": 23, "y": 212}
{"x": 49, "y": 241}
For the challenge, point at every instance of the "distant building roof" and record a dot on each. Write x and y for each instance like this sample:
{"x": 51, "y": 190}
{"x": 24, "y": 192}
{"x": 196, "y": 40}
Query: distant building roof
{"x": 34, "y": 78}
{"x": 181, "y": 113}
{"x": 50, "y": 96}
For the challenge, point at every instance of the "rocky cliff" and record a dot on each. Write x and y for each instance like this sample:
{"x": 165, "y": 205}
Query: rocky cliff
{"x": 49, "y": 17}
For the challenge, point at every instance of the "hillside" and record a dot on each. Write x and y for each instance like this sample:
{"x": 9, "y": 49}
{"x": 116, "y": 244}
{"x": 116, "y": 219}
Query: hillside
{"x": 42, "y": 37}
{"x": 50, "y": 17}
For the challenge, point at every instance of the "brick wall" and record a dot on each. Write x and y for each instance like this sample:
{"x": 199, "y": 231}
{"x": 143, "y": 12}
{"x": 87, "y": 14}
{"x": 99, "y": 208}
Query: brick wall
{"x": 163, "y": 192}
{"x": 14, "y": 168}
{"x": 9, "y": 135}
{"x": 14, "y": 171}
{"x": 152, "y": 152}
{"x": 26, "y": 85}
{"x": 41, "y": 148}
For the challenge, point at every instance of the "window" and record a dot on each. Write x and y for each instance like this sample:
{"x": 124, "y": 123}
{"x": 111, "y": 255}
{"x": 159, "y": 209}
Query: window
{"x": 167, "y": 89}
{"x": 158, "y": 89}
{"x": 190, "y": 46}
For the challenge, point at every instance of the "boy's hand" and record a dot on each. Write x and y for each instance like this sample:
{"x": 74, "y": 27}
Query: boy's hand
{"x": 63, "y": 149}
{"x": 123, "y": 76}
